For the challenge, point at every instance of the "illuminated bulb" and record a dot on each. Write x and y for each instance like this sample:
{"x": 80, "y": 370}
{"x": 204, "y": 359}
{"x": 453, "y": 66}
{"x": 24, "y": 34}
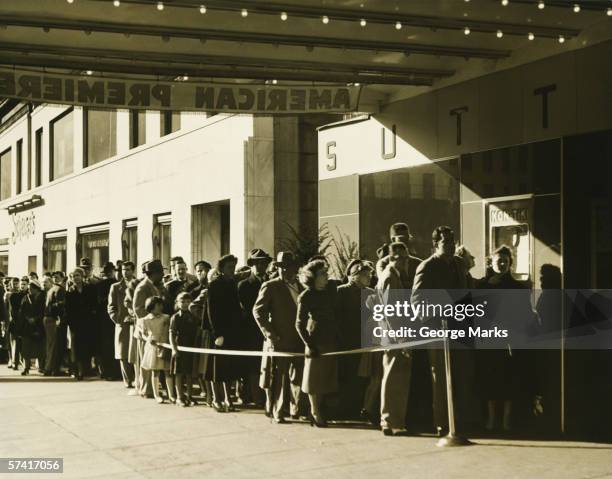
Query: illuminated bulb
{"x": 609, "y": 12}
{"x": 531, "y": 36}
{"x": 499, "y": 34}
{"x": 70, "y": 1}
{"x": 284, "y": 16}
{"x": 116, "y": 3}
{"x": 363, "y": 22}
{"x": 466, "y": 30}
{"x": 325, "y": 19}
{"x": 244, "y": 12}
{"x": 576, "y": 8}
{"x": 398, "y": 25}
{"x": 505, "y": 3}
{"x": 274, "y": 82}
{"x": 202, "y": 9}
{"x": 160, "y": 6}
{"x": 87, "y": 72}
{"x": 541, "y": 5}
{"x": 561, "y": 39}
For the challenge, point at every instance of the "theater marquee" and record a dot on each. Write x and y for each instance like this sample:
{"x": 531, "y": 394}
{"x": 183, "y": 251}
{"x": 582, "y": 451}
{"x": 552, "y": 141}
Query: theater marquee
{"x": 109, "y": 92}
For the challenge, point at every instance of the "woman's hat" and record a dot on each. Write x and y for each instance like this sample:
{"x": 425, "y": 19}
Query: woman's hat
{"x": 258, "y": 255}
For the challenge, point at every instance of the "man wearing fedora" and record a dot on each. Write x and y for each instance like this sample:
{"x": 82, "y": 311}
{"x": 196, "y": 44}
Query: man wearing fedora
{"x": 275, "y": 311}
{"x": 248, "y": 289}
{"x": 85, "y": 265}
{"x": 151, "y": 285}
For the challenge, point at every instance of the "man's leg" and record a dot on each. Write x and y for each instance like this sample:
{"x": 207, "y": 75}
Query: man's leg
{"x": 395, "y": 389}
{"x": 438, "y": 384}
{"x": 51, "y": 345}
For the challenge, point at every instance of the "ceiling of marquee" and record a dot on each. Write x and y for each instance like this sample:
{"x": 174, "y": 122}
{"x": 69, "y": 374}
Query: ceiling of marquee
{"x": 430, "y": 49}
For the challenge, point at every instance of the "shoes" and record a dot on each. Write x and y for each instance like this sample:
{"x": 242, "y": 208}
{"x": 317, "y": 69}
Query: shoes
{"x": 25, "y": 372}
{"x": 181, "y": 403}
{"x": 218, "y": 407}
{"x": 133, "y": 392}
{"x": 229, "y": 407}
{"x": 159, "y": 400}
{"x": 318, "y": 423}
{"x": 279, "y": 420}
{"x": 388, "y": 431}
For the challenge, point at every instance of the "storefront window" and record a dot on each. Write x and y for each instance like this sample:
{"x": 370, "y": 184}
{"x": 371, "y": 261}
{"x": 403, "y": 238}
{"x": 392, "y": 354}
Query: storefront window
{"x": 61, "y": 136}
{"x": 95, "y": 247}
{"x": 5, "y": 174}
{"x": 4, "y": 263}
{"x": 162, "y": 239}
{"x": 100, "y": 135}
{"x": 55, "y": 253}
{"x": 138, "y": 128}
{"x": 129, "y": 241}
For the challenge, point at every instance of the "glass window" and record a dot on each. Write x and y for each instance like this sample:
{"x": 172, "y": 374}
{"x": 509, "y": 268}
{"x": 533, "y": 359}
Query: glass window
{"x": 61, "y": 136}
{"x": 95, "y": 247}
{"x": 162, "y": 239}
{"x": 5, "y": 174}
{"x": 38, "y": 157}
{"x": 19, "y": 166}
{"x": 100, "y": 135}
{"x": 4, "y": 263}
{"x": 170, "y": 121}
{"x": 129, "y": 242}
{"x": 55, "y": 254}
{"x": 138, "y": 128}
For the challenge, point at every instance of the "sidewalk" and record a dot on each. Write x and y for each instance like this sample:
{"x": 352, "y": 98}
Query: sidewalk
{"x": 102, "y": 432}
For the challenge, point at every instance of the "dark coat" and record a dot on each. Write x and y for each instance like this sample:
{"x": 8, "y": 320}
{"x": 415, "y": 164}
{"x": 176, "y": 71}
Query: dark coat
{"x": 81, "y": 310}
{"x": 55, "y": 303}
{"x": 31, "y": 313}
{"x": 348, "y": 314}
{"x": 248, "y": 290}
{"x": 275, "y": 312}
{"x": 226, "y": 320}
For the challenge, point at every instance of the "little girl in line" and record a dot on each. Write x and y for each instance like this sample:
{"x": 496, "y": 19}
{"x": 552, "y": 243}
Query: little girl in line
{"x": 183, "y": 332}
{"x": 156, "y": 358}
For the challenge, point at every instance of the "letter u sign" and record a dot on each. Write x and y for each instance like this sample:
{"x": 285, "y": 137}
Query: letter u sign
{"x": 388, "y": 155}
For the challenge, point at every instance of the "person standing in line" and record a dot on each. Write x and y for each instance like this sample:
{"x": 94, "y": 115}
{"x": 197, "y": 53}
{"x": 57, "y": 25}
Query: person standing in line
{"x": 248, "y": 289}
{"x": 397, "y": 363}
{"x": 198, "y": 307}
{"x": 183, "y": 332}
{"x": 11, "y": 318}
{"x": 120, "y": 316}
{"x": 31, "y": 329}
{"x": 105, "y": 343}
{"x": 155, "y": 359}
{"x": 275, "y": 311}
{"x": 225, "y": 317}
{"x": 134, "y": 338}
{"x": 468, "y": 262}
{"x": 317, "y": 327}
{"x": 150, "y": 286}
{"x": 348, "y": 313}
{"x": 445, "y": 272}
{"x": 90, "y": 277}
{"x": 14, "y": 306}
{"x": 81, "y": 304}
{"x": 189, "y": 279}
{"x": 180, "y": 282}
{"x": 54, "y": 316}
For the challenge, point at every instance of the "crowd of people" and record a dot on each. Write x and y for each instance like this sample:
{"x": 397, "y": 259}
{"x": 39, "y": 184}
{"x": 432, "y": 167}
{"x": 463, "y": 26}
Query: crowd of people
{"x": 114, "y": 327}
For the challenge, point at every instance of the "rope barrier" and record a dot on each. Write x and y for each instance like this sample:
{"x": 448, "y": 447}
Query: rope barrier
{"x": 234, "y": 352}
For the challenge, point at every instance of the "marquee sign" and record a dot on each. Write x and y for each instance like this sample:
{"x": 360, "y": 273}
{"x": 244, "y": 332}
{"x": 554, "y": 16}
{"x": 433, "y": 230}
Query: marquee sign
{"x": 109, "y": 92}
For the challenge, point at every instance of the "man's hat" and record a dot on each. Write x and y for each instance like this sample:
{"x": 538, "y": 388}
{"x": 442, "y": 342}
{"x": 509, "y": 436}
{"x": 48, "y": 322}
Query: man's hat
{"x": 85, "y": 263}
{"x": 399, "y": 229}
{"x": 256, "y": 255}
{"x": 108, "y": 266}
{"x": 285, "y": 258}
{"x": 153, "y": 266}
{"x": 357, "y": 266}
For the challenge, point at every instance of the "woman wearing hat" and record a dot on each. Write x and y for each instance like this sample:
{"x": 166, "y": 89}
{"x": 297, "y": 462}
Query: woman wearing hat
{"x": 316, "y": 325}
{"x": 32, "y": 329}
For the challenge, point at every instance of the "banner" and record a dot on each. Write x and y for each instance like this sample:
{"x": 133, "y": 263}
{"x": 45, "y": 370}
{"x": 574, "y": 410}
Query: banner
{"x": 118, "y": 93}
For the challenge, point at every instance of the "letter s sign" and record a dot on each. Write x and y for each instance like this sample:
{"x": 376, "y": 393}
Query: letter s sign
{"x": 331, "y": 165}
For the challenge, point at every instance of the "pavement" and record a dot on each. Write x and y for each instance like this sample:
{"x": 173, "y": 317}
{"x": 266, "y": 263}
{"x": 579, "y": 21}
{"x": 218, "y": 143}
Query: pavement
{"x": 100, "y": 431}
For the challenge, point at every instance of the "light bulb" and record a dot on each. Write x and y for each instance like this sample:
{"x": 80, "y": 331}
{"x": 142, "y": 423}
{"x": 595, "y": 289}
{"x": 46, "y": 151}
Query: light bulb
{"x": 398, "y": 25}
{"x": 541, "y": 5}
{"x": 561, "y": 39}
{"x": 499, "y": 34}
{"x": 284, "y": 16}
{"x": 531, "y": 36}
{"x": 504, "y": 3}
{"x": 70, "y": 1}
{"x": 325, "y": 19}
{"x": 609, "y": 12}
{"x": 274, "y": 82}
{"x": 160, "y": 6}
{"x": 363, "y": 22}
{"x": 88, "y": 72}
{"x": 202, "y": 9}
{"x": 466, "y": 30}
{"x": 244, "y": 12}
{"x": 576, "y": 8}
{"x": 116, "y": 3}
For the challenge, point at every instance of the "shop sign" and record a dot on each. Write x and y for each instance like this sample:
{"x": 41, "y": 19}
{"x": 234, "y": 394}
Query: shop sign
{"x": 109, "y": 92}
{"x": 516, "y": 215}
{"x": 24, "y": 226}
{"x": 97, "y": 243}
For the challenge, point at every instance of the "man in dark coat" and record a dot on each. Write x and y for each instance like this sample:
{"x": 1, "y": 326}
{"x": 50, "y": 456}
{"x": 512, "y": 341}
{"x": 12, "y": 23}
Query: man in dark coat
{"x": 14, "y": 304}
{"x": 248, "y": 289}
{"x": 226, "y": 319}
{"x": 181, "y": 281}
{"x": 55, "y": 325}
{"x": 441, "y": 271}
{"x": 275, "y": 311}
{"x": 105, "y": 358}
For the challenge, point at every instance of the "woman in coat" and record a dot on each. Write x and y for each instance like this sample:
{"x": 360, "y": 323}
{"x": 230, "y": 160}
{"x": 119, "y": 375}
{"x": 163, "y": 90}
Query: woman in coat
{"x": 31, "y": 327}
{"x": 225, "y": 316}
{"x": 500, "y": 374}
{"x": 316, "y": 325}
{"x": 81, "y": 302}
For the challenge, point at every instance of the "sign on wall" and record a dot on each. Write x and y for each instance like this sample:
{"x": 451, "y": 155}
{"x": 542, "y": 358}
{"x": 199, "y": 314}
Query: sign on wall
{"x": 109, "y": 92}
{"x": 24, "y": 226}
